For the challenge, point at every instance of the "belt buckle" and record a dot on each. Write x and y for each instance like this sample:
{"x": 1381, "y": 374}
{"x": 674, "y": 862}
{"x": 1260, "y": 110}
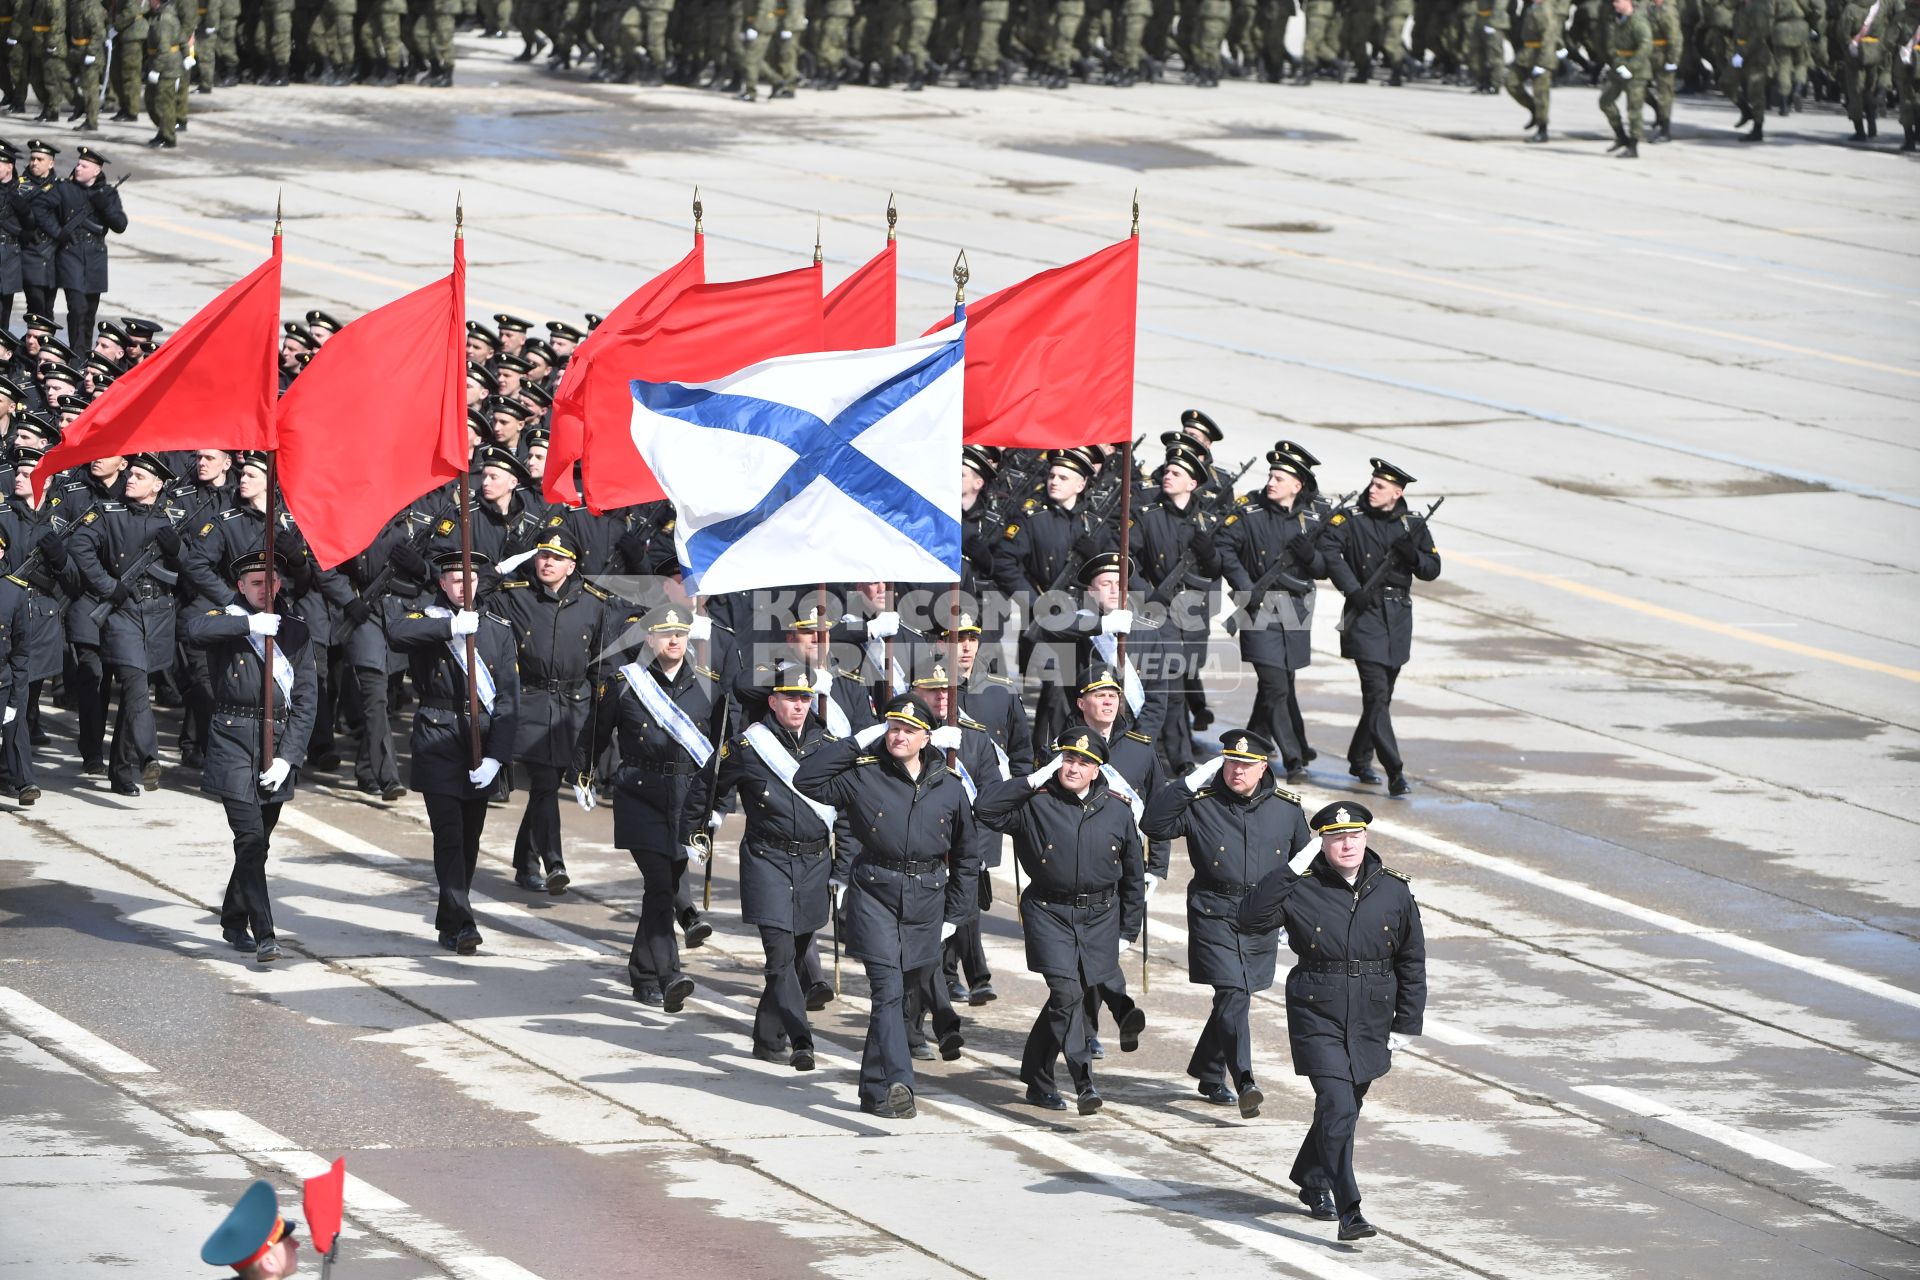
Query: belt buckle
{"x": 1084, "y": 901}
{"x": 1353, "y": 968}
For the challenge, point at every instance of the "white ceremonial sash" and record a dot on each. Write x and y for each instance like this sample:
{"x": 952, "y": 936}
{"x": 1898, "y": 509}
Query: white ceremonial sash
{"x": 282, "y": 669}
{"x": 665, "y": 710}
{"x": 876, "y": 651}
{"x": 483, "y": 681}
{"x": 1122, "y": 788}
{"x": 833, "y": 713}
{"x": 1129, "y": 678}
{"x": 784, "y": 766}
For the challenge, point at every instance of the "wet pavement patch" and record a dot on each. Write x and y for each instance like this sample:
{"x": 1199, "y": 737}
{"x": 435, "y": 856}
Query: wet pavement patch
{"x": 1132, "y": 155}
{"x": 1825, "y": 728}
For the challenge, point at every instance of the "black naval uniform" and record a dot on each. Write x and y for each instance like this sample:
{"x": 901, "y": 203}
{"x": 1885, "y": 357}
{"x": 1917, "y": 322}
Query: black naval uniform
{"x": 36, "y": 245}
{"x": 83, "y": 217}
{"x": 561, "y": 634}
{"x": 137, "y": 637}
{"x": 19, "y": 214}
{"x": 16, "y": 638}
{"x": 786, "y": 863}
{"x": 1042, "y": 545}
{"x": 43, "y": 642}
{"x": 234, "y": 748}
{"x": 1132, "y": 757}
{"x": 69, "y": 499}
{"x": 1078, "y": 643}
{"x": 659, "y": 800}
{"x": 1234, "y": 841}
{"x": 913, "y": 871}
{"x": 365, "y": 650}
{"x": 1173, "y": 559}
{"x": 1277, "y": 638}
{"x": 442, "y": 744}
{"x": 965, "y": 952}
{"x": 1377, "y": 633}
{"x": 1085, "y": 892}
{"x": 1361, "y": 974}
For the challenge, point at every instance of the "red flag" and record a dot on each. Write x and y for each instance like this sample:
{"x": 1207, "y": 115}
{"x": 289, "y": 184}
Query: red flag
{"x": 378, "y": 417}
{"x": 324, "y": 1202}
{"x": 210, "y": 386}
{"x": 706, "y": 331}
{"x": 1050, "y": 360}
{"x": 860, "y": 311}
{"x": 568, "y": 418}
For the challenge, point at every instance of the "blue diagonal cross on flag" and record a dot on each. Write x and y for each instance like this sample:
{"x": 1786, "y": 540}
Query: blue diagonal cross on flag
{"x": 841, "y": 466}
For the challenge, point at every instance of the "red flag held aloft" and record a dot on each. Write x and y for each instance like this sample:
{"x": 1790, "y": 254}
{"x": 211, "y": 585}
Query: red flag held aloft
{"x": 325, "y": 1201}
{"x": 706, "y": 331}
{"x": 378, "y": 417}
{"x": 860, "y": 311}
{"x": 1050, "y": 360}
{"x": 568, "y": 418}
{"x": 210, "y": 386}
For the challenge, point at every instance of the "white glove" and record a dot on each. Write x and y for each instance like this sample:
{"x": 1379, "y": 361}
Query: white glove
{"x": 823, "y": 684}
{"x": 1539, "y": 71}
{"x": 1671, "y": 66}
{"x": 1393, "y": 1041}
{"x": 871, "y": 734}
{"x": 1625, "y": 73}
{"x": 263, "y": 624}
{"x": 153, "y": 77}
{"x": 839, "y": 891}
{"x": 701, "y": 628}
{"x": 751, "y": 34}
{"x": 584, "y": 797}
{"x": 1038, "y": 778}
{"x": 88, "y": 61}
{"x": 190, "y": 63}
{"x": 11, "y": 41}
{"x": 1117, "y": 623}
{"x": 1560, "y": 54}
{"x": 483, "y": 776}
{"x": 1739, "y": 61}
{"x": 275, "y": 774}
{"x": 714, "y": 820}
{"x": 210, "y": 31}
{"x": 1125, "y": 946}
{"x": 8, "y": 717}
{"x": 1153, "y": 882}
{"x": 947, "y": 929}
{"x": 883, "y": 626}
{"x": 1906, "y": 54}
{"x": 695, "y": 858}
{"x": 1203, "y": 774}
{"x": 1488, "y": 30}
{"x": 465, "y": 623}
{"x": 786, "y": 35}
{"x": 947, "y": 737}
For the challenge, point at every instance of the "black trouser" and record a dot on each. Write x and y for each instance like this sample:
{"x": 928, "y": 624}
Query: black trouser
{"x": 655, "y": 957}
{"x": 320, "y": 741}
{"x": 457, "y": 823}
{"x": 199, "y": 701}
{"x": 1225, "y": 1050}
{"x": 537, "y": 844}
{"x": 927, "y": 993}
{"x": 1114, "y": 996}
{"x": 374, "y": 767}
{"x": 1060, "y": 1030}
{"x": 6, "y": 310}
{"x": 40, "y": 300}
{"x": 811, "y": 974}
{"x": 89, "y": 689}
{"x": 82, "y": 307}
{"x": 1185, "y": 699}
{"x": 964, "y": 951}
{"x": 1049, "y": 718}
{"x": 884, "y": 1060}
{"x": 1374, "y": 734}
{"x": 1326, "y": 1155}
{"x": 1274, "y": 712}
{"x": 16, "y": 747}
{"x": 246, "y": 905}
{"x": 781, "y": 1017}
{"x": 135, "y": 743}
{"x": 1293, "y": 714}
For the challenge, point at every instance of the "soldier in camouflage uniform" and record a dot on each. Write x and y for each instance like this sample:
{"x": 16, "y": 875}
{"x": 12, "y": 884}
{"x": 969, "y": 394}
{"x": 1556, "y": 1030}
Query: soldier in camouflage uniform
{"x": 1863, "y": 34}
{"x": 1320, "y": 46}
{"x": 1904, "y": 28}
{"x": 86, "y": 46}
{"x": 1752, "y": 63}
{"x": 273, "y": 41}
{"x": 1663, "y": 18}
{"x": 46, "y": 40}
{"x": 1630, "y": 56}
{"x": 1792, "y": 53}
{"x": 166, "y": 71}
{"x": 1535, "y": 57}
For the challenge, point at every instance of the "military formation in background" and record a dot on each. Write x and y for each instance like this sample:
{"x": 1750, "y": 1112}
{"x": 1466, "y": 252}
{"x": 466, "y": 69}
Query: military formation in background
{"x": 880, "y": 740}
{"x": 76, "y": 57}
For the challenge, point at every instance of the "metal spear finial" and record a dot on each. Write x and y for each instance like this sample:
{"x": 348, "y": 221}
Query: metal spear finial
{"x": 698, "y": 211}
{"x": 960, "y": 277}
{"x": 1136, "y": 211}
{"x": 817, "y": 255}
{"x": 460, "y": 215}
{"x": 893, "y": 217}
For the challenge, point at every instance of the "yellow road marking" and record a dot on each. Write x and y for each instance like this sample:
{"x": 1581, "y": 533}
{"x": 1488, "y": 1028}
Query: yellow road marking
{"x": 1665, "y": 614}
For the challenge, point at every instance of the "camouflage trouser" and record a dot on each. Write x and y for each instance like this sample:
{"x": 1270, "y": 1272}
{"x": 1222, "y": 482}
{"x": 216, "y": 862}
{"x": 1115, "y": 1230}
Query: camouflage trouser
{"x": 167, "y": 100}
{"x": 1486, "y": 40}
{"x": 47, "y": 70}
{"x": 1270, "y": 19}
{"x": 1754, "y": 77}
{"x": 1611, "y": 87}
{"x": 128, "y": 72}
{"x": 1322, "y": 37}
{"x": 496, "y": 15}
{"x": 1210, "y": 28}
{"x": 273, "y": 34}
{"x": 1660, "y": 91}
{"x": 206, "y": 47}
{"x": 87, "y": 76}
{"x": 1065, "y": 27}
{"x": 1790, "y": 64}
{"x": 830, "y": 36}
{"x": 1903, "y": 89}
{"x": 1861, "y": 86}
{"x": 1128, "y": 42}
{"x": 1534, "y": 92}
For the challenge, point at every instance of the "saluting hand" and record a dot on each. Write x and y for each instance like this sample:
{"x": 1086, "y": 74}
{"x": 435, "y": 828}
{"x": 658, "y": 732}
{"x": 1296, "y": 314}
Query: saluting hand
{"x": 1203, "y": 774}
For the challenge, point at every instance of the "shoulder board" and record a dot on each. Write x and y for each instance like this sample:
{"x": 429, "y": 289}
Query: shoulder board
{"x": 711, "y": 675}
{"x": 73, "y": 486}
{"x": 990, "y": 678}
{"x": 516, "y": 582}
{"x": 1339, "y": 517}
{"x": 1398, "y": 875}
{"x": 494, "y": 617}
{"x": 1285, "y": 794}
{"x": 1230, "y": 519}
{"x": 1242, "y": 500}
{"x": 1203, "y": 792}
{"x": 968, "y": 722}
{"x": 108, "y": 504}
{"x": 229, "y": 514}
{"x": 173, "y": 513}
{"x": 866, "y": 759}
{"x": 214, "y": 613}
{"x": 1012, "y": 529}
{"x": 12, "y": 578}
{"x": 598, "y": 593}
{"x": 1139, "y": 737}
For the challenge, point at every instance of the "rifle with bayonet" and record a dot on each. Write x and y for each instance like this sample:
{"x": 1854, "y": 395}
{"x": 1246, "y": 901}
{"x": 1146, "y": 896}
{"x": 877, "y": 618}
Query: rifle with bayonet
{"x": 1277, "y": 575}
{"x": 1364, "y": 596}
{"x": 149, "y": 556}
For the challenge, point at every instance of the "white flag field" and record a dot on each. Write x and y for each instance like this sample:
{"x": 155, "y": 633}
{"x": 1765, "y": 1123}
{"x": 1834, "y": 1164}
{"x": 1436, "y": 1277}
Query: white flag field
{"x": 840, "y": 466}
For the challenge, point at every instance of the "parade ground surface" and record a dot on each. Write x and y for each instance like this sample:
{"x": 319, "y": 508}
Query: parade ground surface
{"x": 1662, "y": 719}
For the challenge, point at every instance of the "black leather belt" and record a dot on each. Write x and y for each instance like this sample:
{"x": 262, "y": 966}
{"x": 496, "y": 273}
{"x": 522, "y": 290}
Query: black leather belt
{"x": 1224, "y": 888}
{"x": 1098, "y": 898}
{"x": 253, "y": 710}
{"x": 1350, "y": 968}
{"x": 556, "y": 686}
{"x": 905, "y": 866}
{"x": 147, "y": 591}
{"x": 797, "y": 848}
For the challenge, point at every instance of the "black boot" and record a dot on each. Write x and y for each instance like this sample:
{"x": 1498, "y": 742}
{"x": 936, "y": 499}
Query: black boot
{"x": 1859, "y": 130}
{"x": 1912, "y": 137}
{"x": 1665, "y": 132}
{"x": 1538, "y": 135}
{"x": 1759, "y": 131}
{"x": 1632, "y": 152}
{"x": 1619, "y": 140}
{"x": 1873, "y": 125}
